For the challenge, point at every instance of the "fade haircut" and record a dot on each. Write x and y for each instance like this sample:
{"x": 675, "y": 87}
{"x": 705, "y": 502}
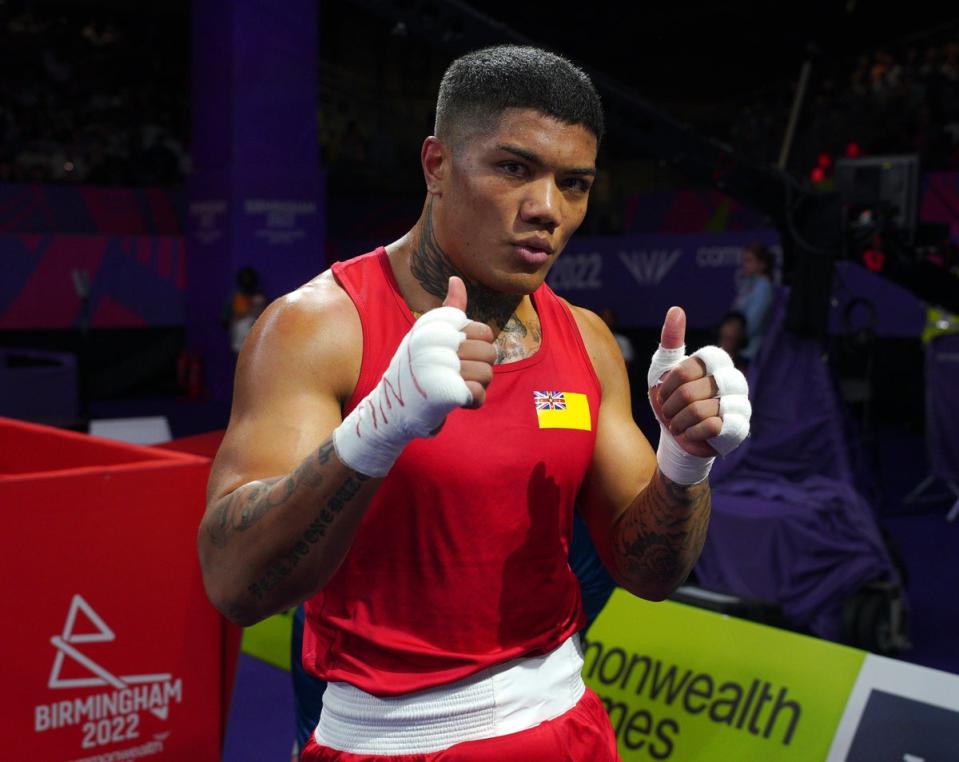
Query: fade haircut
{"x": 479, "y": 86}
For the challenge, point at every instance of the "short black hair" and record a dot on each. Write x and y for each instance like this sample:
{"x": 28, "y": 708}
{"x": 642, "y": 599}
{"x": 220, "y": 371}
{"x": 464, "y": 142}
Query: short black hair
{"x": 479, "y": 86}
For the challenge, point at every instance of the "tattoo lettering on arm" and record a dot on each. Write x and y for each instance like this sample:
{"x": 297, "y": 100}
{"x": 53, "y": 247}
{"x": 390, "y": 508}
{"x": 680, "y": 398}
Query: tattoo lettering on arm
{"x": 317, "y": 528}
{"x": 659, "y": 540}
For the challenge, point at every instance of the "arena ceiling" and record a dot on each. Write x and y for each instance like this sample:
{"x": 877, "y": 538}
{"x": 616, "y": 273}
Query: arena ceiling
{"x": 670, "y": 52}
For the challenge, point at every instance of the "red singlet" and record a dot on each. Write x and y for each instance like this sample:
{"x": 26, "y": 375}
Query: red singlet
{"x": 461, "y": 559}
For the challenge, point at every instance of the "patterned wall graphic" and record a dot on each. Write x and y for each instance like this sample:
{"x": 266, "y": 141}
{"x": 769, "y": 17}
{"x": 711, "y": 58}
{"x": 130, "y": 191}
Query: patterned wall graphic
{"x": 133, "y": 281}
{"x": 130, "y": 242}
{"x": 89, "y": 209}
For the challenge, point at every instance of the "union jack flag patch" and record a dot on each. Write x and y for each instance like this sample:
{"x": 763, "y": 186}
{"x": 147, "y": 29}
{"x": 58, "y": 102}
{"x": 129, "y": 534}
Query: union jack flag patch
{"x": 549, "y": 400}
{"x": 562, "y": 410}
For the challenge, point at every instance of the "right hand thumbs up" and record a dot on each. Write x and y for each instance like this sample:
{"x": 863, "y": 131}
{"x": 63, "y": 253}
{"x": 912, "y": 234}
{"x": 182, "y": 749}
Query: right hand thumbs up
{"x": 477, "y": 353}
{"x": 421, "y": 386}
{"x": 455, "y": 293}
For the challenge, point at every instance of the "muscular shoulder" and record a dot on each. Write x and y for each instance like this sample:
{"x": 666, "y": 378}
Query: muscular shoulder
{"x": 312, "y": 333}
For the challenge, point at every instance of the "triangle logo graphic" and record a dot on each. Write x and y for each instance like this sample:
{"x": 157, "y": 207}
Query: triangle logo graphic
{"x": 92, "y": 630}
{"x": 103, "y": 633}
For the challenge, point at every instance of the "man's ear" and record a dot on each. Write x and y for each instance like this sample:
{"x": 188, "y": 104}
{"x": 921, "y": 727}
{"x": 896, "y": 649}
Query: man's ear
{"x": 435, "y": 159}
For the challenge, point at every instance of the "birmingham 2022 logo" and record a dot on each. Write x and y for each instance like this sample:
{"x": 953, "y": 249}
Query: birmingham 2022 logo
{"x": 110, "y": 712}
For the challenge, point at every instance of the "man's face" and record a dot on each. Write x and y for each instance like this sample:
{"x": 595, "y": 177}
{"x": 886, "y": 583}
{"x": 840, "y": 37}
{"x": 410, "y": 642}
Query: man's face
{"x": 511, "y": 197}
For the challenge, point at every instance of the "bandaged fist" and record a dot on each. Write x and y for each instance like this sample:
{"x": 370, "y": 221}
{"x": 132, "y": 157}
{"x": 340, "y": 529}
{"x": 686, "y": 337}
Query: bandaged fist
{"x": 443, "y": 363}
{"x": 476, "y": 353}
{"x": 701, "y": 403}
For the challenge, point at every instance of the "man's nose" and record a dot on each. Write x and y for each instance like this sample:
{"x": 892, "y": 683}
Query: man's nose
{"x": 541, "y": 206}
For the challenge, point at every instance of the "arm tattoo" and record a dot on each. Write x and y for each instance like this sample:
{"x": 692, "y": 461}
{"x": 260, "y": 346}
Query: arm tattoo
{"x": 243, "y": 507}
{"x": 660, "y": 539}
{"x": 317, "y": 528}
{"x": 246, "y": 505}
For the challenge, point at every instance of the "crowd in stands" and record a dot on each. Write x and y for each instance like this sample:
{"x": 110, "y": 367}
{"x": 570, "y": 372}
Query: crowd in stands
{"x": 102, "y": 97}
{"x": 90, "y": 97}
{"x": 886, "y": 102}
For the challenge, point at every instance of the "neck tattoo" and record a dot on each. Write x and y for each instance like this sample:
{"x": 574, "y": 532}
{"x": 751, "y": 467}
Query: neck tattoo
{"x": 432, "y": 268}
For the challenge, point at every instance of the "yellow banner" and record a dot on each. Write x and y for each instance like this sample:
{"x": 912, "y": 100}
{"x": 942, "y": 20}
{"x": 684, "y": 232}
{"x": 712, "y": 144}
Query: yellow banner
{"x": 269, "y": 640}
{"x": 687, "y": 684}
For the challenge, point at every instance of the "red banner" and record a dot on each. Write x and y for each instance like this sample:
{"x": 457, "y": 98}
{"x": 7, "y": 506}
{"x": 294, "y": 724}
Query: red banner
{"x": 111, "y": 649}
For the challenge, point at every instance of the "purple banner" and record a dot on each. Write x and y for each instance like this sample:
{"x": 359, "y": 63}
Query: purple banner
{"x": 133, "y": 281}
{"x": 256, "y": 194}
{"x": 640, "y": 277}
{"x": 89, "y": 209}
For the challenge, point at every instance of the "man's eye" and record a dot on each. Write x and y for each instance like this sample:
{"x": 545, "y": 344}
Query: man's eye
{"x": 512, "y": 168}
{"x": 578, "y": 184}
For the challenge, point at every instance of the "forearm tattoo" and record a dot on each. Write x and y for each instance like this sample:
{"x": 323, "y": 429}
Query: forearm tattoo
{"x": 661, "y": 535}
{"x": 244, "y": 507}
{"x": 317, "y": 528}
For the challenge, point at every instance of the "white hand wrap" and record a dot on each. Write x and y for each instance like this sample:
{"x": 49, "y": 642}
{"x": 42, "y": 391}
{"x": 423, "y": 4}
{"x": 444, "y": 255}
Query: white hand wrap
{"x": 734, "y": 409}
{"x": 419, "y": 389}
{"x": 733, "y": 391}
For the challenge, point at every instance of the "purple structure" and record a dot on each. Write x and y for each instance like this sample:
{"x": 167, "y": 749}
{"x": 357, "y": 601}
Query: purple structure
{"x": 788, "y": 524}
{"x": 255, "y": 193}
{"x": 38, "y": 386}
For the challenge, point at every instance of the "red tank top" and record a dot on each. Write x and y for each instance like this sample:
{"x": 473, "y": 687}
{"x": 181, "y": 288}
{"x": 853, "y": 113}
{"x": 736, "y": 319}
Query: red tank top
{"x": 461, "y": 559}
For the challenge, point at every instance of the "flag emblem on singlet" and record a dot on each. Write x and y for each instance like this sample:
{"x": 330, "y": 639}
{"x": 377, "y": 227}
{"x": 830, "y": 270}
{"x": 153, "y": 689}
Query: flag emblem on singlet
{"x": 562, "y": 410}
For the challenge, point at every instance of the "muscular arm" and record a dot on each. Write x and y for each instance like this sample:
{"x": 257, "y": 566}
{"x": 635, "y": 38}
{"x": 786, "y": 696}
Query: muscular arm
{"x": 273, "y": 542}
{"x": 282, "y": 510}
{"x": 648, "y": 530}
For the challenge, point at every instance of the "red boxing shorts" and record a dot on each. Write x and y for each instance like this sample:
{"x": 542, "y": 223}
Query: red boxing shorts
{"x": 583, "y": 734}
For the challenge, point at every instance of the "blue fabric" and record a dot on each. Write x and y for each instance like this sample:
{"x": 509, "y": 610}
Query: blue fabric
{"x": 594, "y": 581}
{"x": 307, "y": 689}
{"x": 595, "y": 584}
{"x": 754, "y": 297}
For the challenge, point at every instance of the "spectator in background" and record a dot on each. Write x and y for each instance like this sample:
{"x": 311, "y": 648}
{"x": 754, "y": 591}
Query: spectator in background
{"x": 245, "y": 306}
{"x": 754, "y": 294}
{"x": 732, "y": 337}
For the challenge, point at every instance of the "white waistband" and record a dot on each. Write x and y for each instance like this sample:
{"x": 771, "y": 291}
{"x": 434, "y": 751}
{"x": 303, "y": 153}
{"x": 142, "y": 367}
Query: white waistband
{"x": 507, "y": 698}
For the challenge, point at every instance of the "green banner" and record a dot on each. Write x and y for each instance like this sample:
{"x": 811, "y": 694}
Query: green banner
{"x": 269, "y": 640}
{"x": 687, "y": 684}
